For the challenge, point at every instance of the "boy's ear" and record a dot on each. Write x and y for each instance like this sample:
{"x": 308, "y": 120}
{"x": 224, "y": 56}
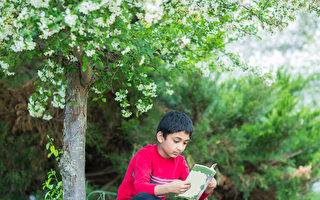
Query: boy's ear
{"x": 160, "y": 137}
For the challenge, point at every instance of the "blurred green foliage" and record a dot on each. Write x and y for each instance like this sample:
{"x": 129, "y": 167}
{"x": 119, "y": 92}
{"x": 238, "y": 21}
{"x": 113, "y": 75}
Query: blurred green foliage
{"x": 265, "y": 145}
{"x": 20, "y": 164}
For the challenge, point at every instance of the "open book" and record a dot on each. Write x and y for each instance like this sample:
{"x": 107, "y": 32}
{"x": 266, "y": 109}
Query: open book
{"x": 200, "y": 176}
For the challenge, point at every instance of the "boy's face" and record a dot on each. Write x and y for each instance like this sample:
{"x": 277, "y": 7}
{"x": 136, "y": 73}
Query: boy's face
{"x": 173, "y": 145}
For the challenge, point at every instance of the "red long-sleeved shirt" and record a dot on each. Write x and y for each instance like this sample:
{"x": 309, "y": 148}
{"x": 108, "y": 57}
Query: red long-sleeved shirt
{"x": 147, "y": 169}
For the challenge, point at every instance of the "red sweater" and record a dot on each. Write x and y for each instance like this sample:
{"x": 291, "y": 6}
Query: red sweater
{"x": 147, "y": 169}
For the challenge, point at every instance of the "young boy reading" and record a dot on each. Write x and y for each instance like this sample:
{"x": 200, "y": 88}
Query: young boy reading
{"x": 159, "y": 169}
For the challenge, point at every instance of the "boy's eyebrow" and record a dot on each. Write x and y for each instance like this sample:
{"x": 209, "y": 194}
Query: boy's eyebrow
{"x": 187, "y": 140}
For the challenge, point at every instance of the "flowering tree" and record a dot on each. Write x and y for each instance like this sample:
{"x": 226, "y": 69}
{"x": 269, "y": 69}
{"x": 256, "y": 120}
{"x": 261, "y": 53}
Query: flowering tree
{"x": 296, "y": 48}
{"x": 88, "y": 45}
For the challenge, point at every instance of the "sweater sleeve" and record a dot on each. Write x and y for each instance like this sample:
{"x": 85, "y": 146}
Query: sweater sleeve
{"x": 204, "y": 195}
{"x": 142, "y": 174}
{"x": 184, "y": 171}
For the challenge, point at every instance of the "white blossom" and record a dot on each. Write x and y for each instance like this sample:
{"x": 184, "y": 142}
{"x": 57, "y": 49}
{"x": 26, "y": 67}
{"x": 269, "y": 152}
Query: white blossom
{"x": 203, "y": 67}
{"x": 30, "y": 45}
{"x": 185, "y": 41}
{"x": 35, "y": 108}
{"x": 121, "y": 95}
{"x": 18, "y": 45}
{"x": 143, "y": 107}
{"x": 154, "y": 11}
{"x": 4, "y": 65}
{"x": 99, "y": 22}
{"x": 40, "y": 3}
{"x": 126, "y": 50}
{"x": 164, "y": 51}
{"x": 142, "y": 60}
{"x": 117, "y": 32}
{"x": 48, "y": 53}
{"x": 47, "y": 117}
{"x": 88, "y": 6}
{"x": 72, "y": 58}
{"x": 96, "y": 90}
{"x": 90, "y": 53}
{"x": 140, "y": 87}
{"x": 115, "y": 45}
{"x": 71, "y": 20}
{"x": 126, "y": 113}
{"x": 169, "y": 92}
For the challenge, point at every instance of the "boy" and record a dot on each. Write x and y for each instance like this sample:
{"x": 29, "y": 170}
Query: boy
{"x": 159, "y": 169}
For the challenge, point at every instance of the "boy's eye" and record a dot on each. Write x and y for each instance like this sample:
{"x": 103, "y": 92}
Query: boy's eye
{"x": 185, "y": 143}
{"x": 175, "y": 141}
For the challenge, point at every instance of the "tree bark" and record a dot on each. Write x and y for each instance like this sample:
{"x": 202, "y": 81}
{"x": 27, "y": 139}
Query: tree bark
{"x": 72, "y": 163}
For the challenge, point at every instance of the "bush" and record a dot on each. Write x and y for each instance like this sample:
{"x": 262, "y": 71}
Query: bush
{"x": 264, "y": 144}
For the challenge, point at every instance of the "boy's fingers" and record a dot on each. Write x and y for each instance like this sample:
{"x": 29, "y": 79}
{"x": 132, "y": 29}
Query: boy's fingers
{"x": 187, "y": 183}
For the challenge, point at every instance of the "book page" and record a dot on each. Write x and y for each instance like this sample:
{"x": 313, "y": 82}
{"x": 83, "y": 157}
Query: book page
{"x": 200, "y": 176}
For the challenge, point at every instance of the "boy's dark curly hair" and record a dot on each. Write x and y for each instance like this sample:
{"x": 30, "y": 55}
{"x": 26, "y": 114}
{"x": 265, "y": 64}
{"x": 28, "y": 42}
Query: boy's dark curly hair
{"x": 175, "y": 121}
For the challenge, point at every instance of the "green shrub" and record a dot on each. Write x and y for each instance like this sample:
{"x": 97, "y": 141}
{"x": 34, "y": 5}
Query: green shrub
{"x": 264, "y": 144}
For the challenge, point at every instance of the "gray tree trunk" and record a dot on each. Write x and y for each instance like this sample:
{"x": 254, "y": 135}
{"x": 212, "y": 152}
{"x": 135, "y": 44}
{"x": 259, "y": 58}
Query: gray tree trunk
{"x": 72, "y": 163}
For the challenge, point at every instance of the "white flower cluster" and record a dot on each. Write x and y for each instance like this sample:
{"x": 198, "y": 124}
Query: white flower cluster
{"x": 20, "y": 45}
{"x": 153, "y": 10}
{"x": 44, "y": 23}
{"x": 142, "y": 60}
{"x": 59, "y": 96}
{"x": 125, "y": 51}
{"x": 114, "y": 8}
{"x": 185, "y": 41}
{"x": 149, "y": 90}
{"x": 115, "y": 45}
{"x": 126, "y": 113}
{"x": 143, "y": 106}
{"x": 88, "y": 6}
{"x": 5, "y": 67}
{"x": 72, "y": 58}
{"x": 90, "y": 53}
{"x": 52, "y": 75}
{"x": 169, "y": 90}
{"x": 121, "y": 95}
{"x": 40, "y": 3}
{"x": 95, "y": 90}
{"x": 203, "y": 67}
{"x": 36, "y": 109}
{"x": 71, "y": 20}
{"x": 182, "y": 42}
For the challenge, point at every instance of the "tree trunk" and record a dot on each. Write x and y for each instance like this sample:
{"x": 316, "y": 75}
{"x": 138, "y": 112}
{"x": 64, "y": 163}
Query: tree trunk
{"x": 72, "y": 163}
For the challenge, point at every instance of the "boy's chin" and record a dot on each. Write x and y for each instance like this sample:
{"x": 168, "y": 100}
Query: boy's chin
{"x": 174, "y": 155}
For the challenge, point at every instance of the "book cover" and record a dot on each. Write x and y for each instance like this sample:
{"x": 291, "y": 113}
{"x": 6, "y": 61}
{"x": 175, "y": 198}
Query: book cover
{"x": 199, "y": 177}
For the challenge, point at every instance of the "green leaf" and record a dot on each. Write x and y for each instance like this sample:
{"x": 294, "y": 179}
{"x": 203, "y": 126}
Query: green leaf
{"x": 104, "y": 100}
{"x": 59, "y": 184}
{"x": 55, "y": 153}
{"x": 52, "y": 149}
{"x": 47, "y": 146}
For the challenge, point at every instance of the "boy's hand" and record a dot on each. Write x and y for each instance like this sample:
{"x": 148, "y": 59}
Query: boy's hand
{"x": 179, "y": 187}
{"x": 211, "y": 186}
